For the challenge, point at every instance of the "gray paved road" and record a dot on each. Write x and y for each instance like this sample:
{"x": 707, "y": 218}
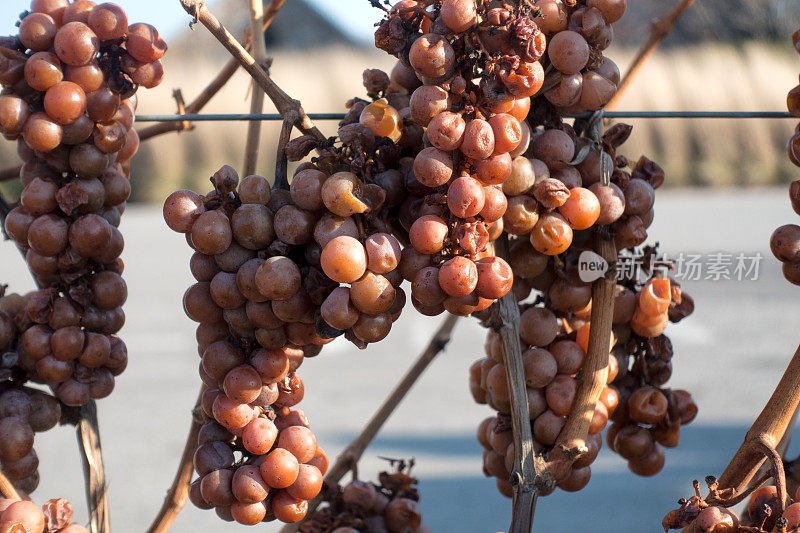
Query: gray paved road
{"x": 728, "y": 354}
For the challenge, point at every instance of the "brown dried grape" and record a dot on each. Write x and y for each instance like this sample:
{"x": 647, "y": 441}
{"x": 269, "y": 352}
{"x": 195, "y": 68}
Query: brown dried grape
{"x": 431, "y": 55}
{"x": 633, "y": 442}
{"x": 495, "y": 278}
{"x": 567, "y": 92}
{"x": 784, "y": 243}
{"x": 101, "y": 106}
{"x": 650, "y": 464}
{"x": 247, "y": 485}
{"x": 568, "y": 52}
{"x": 344, "y": 259}
{"x": 433, "y": 167}
{"x": 294, "y": 225}
{"x": 547, "y": 426}
{"x": 338, "y": 311}
{"x": 254, "y": 190}
{"x": 259, "y": 436}
{"x": 458, "y": 15}
{"x": 372, "y": 294}
{"x": 211, "y": 233}
{"x": 42, "y": 133}
{"x": 597, "y": 91}
{"x": 639, "y": 197}
{"x": 372, "y": 329}
{"x": 494, "y": 170}
{"x": 88, "y": 77}
{"x": 76, "y": 44}
{"x": 612, "y": 202}
{"x": 65, "y": 102}
{"x": 507, "y": 133}
{"x": 47, "y": 235}
{"x": 280, "y": 469}
{"x": 539, "y": 366}
{"x": 272, "y": 365}
{"x": 521, "y": 215}
{"x": 552, "y": 234}
{"x": 612, "y": 10}
{"x": 43, "y": 70}
{"x": 341, "y": 194}
{"x": 553, "y": 147}
{"x": 26, "y": 513}
{"x": 287, "y": 508}
{"x": 306, "y": 189}
{"x": 108, "y": 21}
{"x": 16, "y": 438}
{"x": 560, "y": 394}
{"x": 144, "y": 43}
{"x": 426, "y": 102}
{"x": 478, "y": 142}
{"x": 446, "y": 131}
{"x": 252, "y": 226}
{"x": 494, "y": 205}
{"x": 37, "y": 31}
{"x": 14, "y": 112}
{"x": 538, "y": 326}
{"x": 568, "y": 296}
{"x": 458, "y": 276}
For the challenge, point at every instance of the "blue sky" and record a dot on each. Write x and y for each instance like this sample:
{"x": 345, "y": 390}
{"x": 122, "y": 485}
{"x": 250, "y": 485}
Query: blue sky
{"x": 357, "y": 16}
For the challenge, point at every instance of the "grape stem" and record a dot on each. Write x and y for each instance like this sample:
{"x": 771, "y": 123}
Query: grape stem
{"x": 659, "y": 30}
{"x": 348, "y": 459}
{"x": 571, "y": 443}
{"x": 283, "y": 102}
{"x": 282, "y": 160}
{"x": 766, "y": 431}
{"x": 94, "y": 472}
{"x": 7, "y": 489}
{"x": 178, "y": 492}
{"x": 528, "y": 475}
{"x": 259, "y": 47}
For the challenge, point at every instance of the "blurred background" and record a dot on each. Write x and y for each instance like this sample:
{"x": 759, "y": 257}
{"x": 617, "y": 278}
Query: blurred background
{"x": 725, "y": 192}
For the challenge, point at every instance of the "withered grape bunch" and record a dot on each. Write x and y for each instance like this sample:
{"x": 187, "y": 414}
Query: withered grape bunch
{"x": 70, "y": 79}
{"x": 391, "y": 505}
{"x": 257, "y": 458}
{"x": 764, "y": 512}
{"x": 24, "y": 411}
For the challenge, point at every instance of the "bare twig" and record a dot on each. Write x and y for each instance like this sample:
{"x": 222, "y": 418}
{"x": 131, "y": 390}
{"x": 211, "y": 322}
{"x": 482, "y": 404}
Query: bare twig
{"x": 7, "y": 489}
{"x": 94, "y": 471}
{"x": 527, "y": 474}
{"x": 283, "y": 102}
{"x": 659, "y": 30}
{"x": 178, "y": 492}
{"x": 259, "y": 48}
{"x": 281, "y": 160}
{"x": 216, "y": 84}
{"x": 350, "y": 456}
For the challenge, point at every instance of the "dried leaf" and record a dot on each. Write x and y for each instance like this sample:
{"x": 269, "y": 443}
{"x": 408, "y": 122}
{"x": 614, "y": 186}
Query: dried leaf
{"x": 299, "y": 148}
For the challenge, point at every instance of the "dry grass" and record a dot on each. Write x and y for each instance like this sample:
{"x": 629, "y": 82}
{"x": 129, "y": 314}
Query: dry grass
{"x": 707, "y": 152}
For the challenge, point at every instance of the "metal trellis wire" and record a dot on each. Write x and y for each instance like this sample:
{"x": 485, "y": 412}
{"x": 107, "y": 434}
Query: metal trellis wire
{"x": 236, "y": 117}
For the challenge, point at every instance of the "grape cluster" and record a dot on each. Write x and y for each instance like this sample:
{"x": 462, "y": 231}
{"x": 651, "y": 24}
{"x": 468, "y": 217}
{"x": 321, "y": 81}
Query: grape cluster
{"x": 24, "y": 411}
{"x": 70, "y": 79}
{"x": 555, "y": 326}
{"x": 763, "y": 513}
{"x": 391, "y": 505}
{"x": 551, "y": 360}
{"x": 266, "y": 469}
{"x": 257, "y": 458}
{"x": 785, "y": 241}
{"x": 22, "y": 516}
